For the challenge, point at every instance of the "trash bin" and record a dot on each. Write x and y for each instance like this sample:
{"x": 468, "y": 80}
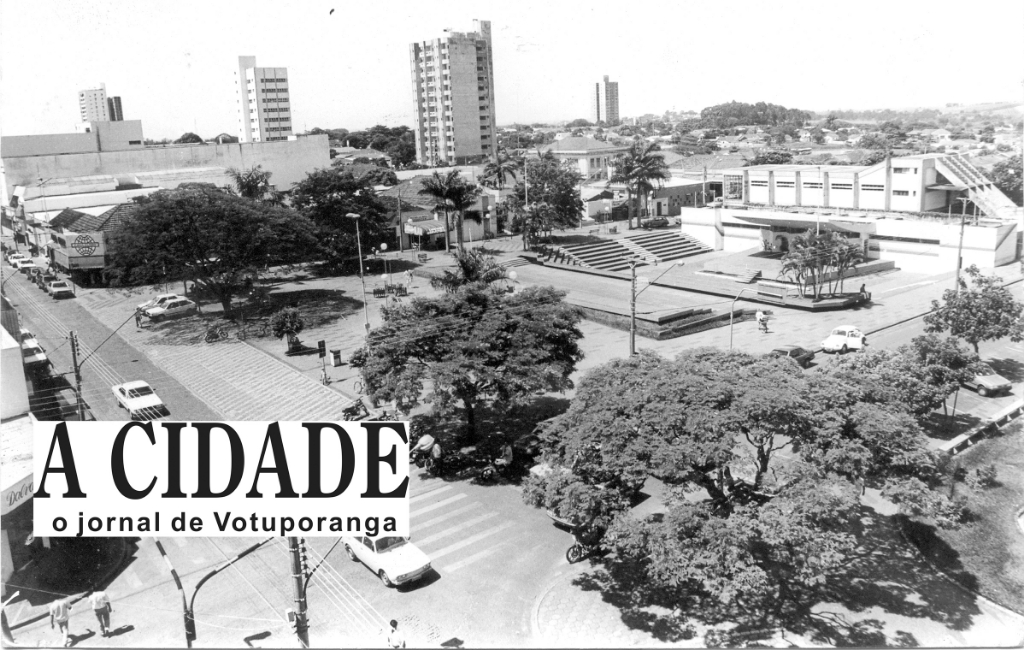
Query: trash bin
{"x": 335, "y": 358}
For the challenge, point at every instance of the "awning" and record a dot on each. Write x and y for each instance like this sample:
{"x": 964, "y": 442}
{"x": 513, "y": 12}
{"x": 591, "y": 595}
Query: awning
{"x": 431, "y": 227}
{"x": 809, "y": 223}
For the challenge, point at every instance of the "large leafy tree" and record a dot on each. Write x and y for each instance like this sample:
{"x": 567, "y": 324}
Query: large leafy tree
{"x": 474, "y": 347}
{"x": 781, "y": 461}
{"x": 553, "y": 183}
{"x": 254, "y": 184}
{"x": 816, "y": 258}
{"x": 1006, "y": 175}
{"x": 641, "y": 169}
{"x": 189, "y": 138}
{"x": 325, "y": 196}
{"x": 206, "y": 235}
{"x": 982, "y": 311}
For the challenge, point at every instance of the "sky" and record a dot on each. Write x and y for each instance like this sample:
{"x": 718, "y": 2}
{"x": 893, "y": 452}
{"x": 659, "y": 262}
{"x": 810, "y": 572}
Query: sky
{"x": 173, "y": 62}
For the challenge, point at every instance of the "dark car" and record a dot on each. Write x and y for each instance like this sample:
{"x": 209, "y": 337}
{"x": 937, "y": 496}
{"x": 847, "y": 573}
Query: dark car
{"x": 43, "y": 279}
{"x": 801, "y": 355}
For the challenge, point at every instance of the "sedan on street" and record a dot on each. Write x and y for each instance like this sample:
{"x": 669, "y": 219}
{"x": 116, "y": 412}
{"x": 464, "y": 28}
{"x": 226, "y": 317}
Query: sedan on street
{"x": 60, "y": 289}
{"x": 25, "y": 266}
{"x": 802, "y": 356}
{"x": 843, "y": 339}
{"x": 395, "y": 560}
{"x": 139, "y": 399}
{"x": 33, "y": 355}
{"x": 988, "y": 382}
{"x": 171, "y": 309}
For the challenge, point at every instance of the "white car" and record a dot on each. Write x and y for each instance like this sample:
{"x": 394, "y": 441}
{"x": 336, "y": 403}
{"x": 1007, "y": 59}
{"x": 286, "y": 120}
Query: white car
{"x": 139, "y": 399}
{"x": 25, "y": 266}
{"x": 159, "y": 301}
{"x": 843, "y": 339}
{"x": 60, "y": 289}
{"x": 33, "y": 354}
{"x": 13, "y": 258}
{"x": 24, "y": 335}
{"x": 171, "y": 309}
{"x": 395, "y": 560}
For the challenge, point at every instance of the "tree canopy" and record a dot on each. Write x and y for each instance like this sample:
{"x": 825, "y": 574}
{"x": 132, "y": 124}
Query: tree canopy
{"x": 206, "y": 235}
{"x": 982, "y": 311}
{"x": 546, "y": 197}
{"x": 765, "y": 468}
{"x": 1006, "y": 175}
{"x": 473, "y": 347}
{"x": 254, "y": 184}
{"x": 325, "y": 196}
{"x": 471, "y": 266}
{"x": 189, "y": 138}
{"x": 816, "y": 258}
{"x": 642, "y": 170}
{"x": 723, "y": 116}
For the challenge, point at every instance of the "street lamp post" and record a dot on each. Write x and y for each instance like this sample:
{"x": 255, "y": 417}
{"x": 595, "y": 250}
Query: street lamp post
{"x": 633, "y": 293}
{"x": 732, "y": 311}
{"x": 960, "y": 248}
{"x": 362, "y": 281}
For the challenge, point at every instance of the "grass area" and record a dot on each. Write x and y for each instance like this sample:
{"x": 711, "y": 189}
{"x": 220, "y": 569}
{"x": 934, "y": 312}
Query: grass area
{"x": 986, "y": 554}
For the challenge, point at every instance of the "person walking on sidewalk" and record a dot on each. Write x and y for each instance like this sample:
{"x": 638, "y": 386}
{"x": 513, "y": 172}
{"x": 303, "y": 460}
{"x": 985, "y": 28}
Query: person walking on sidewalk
{"x": 60, "y": 612}
{"x": 138, "y": 319}
{"x": 408, "y": 279}
{"x": 395, "y": 638}
{"x": 102, "y": 609}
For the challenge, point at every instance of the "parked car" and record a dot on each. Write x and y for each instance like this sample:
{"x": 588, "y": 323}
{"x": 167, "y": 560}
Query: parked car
{"x": 988, "y": 382}
{"x": 60, "y": 289}
{"x": 395, "y": 560}
{"x": 24, "y": 335}
{"x": 13, "y": 258}
{"x": 171, "y": 309}
{"x": 25, "y": 266}
{"x": 159, "y": 301}
{"x": 140, "y": 400}
{"x": 656, "y": 222}
{"x": 843, "y": 339}
{"x": 43, "y": 280}
{"x": 802, "y": 356}
{"x": 33, "y": 355}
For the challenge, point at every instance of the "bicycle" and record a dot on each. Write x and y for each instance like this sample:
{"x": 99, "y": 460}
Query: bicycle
{"x": 358, "y": 387}
{"x": 215, "y": 333}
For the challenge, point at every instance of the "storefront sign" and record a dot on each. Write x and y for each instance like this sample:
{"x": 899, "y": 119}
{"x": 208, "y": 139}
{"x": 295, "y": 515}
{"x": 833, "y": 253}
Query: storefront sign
{"x": 17, "y": 494}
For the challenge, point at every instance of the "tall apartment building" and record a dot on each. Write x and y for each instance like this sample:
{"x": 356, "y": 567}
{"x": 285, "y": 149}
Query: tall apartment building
{"x": 453, "y": 88}
{"x": 92, "y": 104}
{"x": 114, "y": 109}
{"x": 605, "y": 107}
{"x": 264, "y": 106}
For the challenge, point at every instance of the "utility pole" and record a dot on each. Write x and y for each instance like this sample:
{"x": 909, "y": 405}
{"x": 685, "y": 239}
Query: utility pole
{"x": 301, "y": 630}
{"x": 960, "y": 248}
{"x": 78, "y": 374}
{"x": 632, "y": 306}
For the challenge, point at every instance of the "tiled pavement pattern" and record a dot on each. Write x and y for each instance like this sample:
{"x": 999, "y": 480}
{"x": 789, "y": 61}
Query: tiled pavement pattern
{"x": 235, "y": 379}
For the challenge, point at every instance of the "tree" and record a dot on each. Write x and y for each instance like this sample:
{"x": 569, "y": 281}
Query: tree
{"x": 374, "y": 176}
{"x": 1006, "y": 175}
{"x": 452, "y": 195}
{"x": 287, "y": 322}
{"x": 578, "y": 123}
{"x": 470, "y": 266}
{"x": 254, "y": 185}
{"x": 472, "y": 348}
{"x": 815, "y": 258}
{"x": 189, "y": 138}
{"x": 641, "y": 170}
{"x": 554, "y": 184}
{"x": 206, "y": 235}
{"x": 461, "y": 197}
{"x": 770, "y": 158}
{"x": 770, "y": 525}
{"x": 983, "y": 311}
{"x": 325, "y": 196}
{"x": 875, "y": 141}
{"x": 496, "y": 172}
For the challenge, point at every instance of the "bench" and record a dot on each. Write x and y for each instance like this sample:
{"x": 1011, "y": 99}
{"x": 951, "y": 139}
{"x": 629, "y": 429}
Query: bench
{"x": 379, "y": 292}
{"x": 594, "y": 231}
{"x": 422, "y": 257}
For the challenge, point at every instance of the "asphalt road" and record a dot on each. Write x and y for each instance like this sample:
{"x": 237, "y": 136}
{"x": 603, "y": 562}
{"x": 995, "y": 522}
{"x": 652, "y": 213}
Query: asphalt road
{"x": 114, "y": 362}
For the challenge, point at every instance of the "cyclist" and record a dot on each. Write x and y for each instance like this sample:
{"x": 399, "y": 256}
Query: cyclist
{"x": 762, "y": 321}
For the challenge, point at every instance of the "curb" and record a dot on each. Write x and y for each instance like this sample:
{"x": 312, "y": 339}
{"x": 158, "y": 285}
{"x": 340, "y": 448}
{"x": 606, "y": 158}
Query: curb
{"x": 109, "y": 574}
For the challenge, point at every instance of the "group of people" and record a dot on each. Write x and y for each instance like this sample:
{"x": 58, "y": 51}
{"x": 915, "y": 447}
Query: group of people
{"x": 428, "y": 446}
{"x": 60, "y": 616}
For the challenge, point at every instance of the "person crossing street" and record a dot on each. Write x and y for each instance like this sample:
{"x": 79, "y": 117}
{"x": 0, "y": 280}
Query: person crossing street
{"x": 102, "y": 609}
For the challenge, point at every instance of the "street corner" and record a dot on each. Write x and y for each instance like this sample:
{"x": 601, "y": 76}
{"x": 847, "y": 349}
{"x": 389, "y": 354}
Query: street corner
{"x": 567, "y": 615}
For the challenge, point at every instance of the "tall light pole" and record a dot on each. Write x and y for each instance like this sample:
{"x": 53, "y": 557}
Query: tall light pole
{"x": 362, "y": 281}
{"x": 633, "y": 293}
{"x": 960, "y": 248}
{"x": 732, "y": 311}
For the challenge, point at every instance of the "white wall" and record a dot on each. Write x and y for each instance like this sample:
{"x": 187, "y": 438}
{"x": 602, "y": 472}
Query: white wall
{"x": 13, "y": 392}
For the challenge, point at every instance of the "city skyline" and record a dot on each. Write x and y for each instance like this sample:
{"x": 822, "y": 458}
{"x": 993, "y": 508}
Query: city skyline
{"x": 340, "y": 76}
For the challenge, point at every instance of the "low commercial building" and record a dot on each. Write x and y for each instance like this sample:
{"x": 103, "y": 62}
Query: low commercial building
{"x": 593, "y": 158}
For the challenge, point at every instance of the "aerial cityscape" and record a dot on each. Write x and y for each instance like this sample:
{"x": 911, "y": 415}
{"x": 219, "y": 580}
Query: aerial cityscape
{"x": 699, "y": 343}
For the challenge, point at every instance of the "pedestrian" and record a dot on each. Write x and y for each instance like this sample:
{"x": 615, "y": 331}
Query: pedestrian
{"x": 395, "y": 639}
{"x": 864, "y": 291}
{"x": 408, "y": 279}
{"x": 138, "y": 319}
{"x": 102, "y": 609}
{"x": 60, "y": 612}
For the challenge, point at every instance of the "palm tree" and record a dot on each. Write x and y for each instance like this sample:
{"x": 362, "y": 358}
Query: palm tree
{"x": 471, "y": 266}
{"x": 497, "y": 172}
{"x": 438, "y": 187}
{"x": 461, "y": 197}
{"x": 255, "y": 185}
{"x": 641, "y": 170}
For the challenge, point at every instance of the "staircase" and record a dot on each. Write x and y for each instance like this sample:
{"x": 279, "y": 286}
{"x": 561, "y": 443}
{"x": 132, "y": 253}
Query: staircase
{"x": 987, "y": 196}
{"x": 515, "y": 261}
{"x": 609, "y": 255}
{"x": 749, "y": 276}
{"x": 639, "y": 251}
{"x": 666, "y": 245}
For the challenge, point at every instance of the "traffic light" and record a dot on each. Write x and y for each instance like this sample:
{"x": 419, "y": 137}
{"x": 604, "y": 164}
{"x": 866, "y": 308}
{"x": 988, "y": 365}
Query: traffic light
{"x": 322, "y": 347}
{"x": 190, "y": 627}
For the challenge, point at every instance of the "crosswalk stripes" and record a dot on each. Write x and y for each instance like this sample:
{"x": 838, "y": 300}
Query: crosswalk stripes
{"x": 452, "y": 530}
{"x": 435, "y": 506}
